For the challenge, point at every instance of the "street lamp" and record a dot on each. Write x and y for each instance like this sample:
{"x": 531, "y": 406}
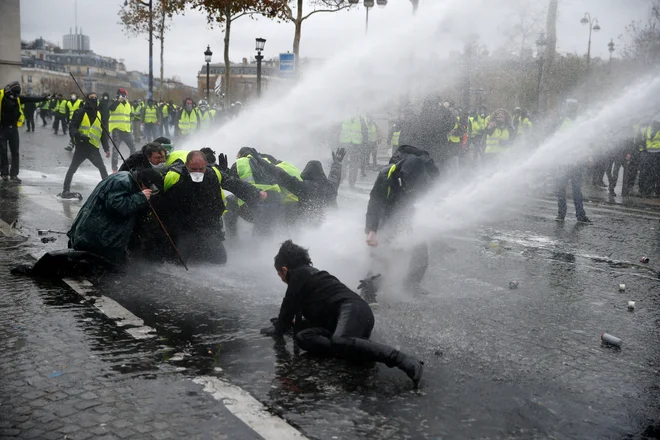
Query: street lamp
{"x": 540, "y": 48}
{"x": 151, "y": 44}
{"x": 207, "y": 58}
{"x": 610, "y": 48}
{"x": 368, "y": 4}
{"x": 261, "y": 42}
{"x": 593, "y": 25}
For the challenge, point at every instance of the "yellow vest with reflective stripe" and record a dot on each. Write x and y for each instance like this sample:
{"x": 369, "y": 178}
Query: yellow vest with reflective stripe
{"x": 244, "y": 171}
{"x": 165, "y": 110}
{"x": 188, "y": 121}
{"x": 205, "y": 119}
{"x": 495, "y": 143}
{"x": 73, "y": 107}
{"x": 478, "y": 125}
{"x": 61, "y": 107}
{"x": 291, "y": 170}
{"x": 389, "y": 179}
{"x": 454, "y": 137}
{"x": 178, "y": 154}
{"x": 93, "y": 131}
{"x": 120, "y": 118}
{"x": 150, "y": 115}
{"x": 652, "y": 142}
{"x": 373, "y": 132}
{"x": 524, "y": 126}
{"x": 351, "y": 132}
{"x": 21, "y": 118}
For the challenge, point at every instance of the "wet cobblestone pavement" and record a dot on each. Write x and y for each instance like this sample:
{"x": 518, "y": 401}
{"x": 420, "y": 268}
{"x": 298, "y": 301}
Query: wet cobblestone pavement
{"x": 500, "y": 363}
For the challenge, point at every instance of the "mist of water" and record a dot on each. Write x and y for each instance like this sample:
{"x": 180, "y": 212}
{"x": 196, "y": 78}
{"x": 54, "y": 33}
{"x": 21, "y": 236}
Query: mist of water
{"x": 370, "y": 76}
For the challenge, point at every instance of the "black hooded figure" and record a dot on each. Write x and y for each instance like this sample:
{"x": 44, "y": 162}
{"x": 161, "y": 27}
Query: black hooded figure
{"x": 391, "y": 209}
{"x": 11, "y": 117}
{"x": 316, "y": 192}
{"x": 433, "y": 125}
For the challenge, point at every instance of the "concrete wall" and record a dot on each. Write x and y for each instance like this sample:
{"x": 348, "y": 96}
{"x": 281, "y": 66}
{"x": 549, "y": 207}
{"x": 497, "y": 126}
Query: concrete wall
{"x": 10, "y": 41}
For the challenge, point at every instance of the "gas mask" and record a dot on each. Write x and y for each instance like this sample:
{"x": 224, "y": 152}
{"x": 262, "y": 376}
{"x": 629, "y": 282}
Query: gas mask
{"x": 197, "y": 177}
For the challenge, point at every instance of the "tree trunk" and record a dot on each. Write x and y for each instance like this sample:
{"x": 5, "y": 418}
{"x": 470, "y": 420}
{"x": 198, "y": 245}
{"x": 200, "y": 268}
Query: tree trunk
{"x": 162, "y": 53}
{"x": 296, "y": 36}
{"x": 227, "y": 99}
{"x": 415, "y": 5}
{"x": 549, "y": 58}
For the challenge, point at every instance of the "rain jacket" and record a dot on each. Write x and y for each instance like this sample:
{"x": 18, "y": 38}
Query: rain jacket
{"x": 315, "y": 191}
{"x": 106, "y": 221}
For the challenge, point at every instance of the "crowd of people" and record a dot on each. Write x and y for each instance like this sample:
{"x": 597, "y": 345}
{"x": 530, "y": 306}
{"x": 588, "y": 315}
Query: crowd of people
{"x": 170, "y": 205}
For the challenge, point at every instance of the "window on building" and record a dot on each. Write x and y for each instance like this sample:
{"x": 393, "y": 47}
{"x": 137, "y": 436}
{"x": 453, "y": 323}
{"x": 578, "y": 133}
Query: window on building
{"x": 78, "y": 69}
{"x": 29, "y": 78}
{"x": 78, "y": 60}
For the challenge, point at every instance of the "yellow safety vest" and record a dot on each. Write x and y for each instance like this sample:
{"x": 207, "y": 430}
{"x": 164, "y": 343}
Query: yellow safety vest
{"x": 205, "y": 119}
{"x": 524, "y": 126}
{"x": 478, "y": 125}
{"x": 453, "y": 137}
{"x": 73, "y": 107}
{"x": 61, "y": 107}
{"x": 93, "y": 131}
{"x": 652, "y": 142}
{"x": 373, "y": 132}
{"x": 495, "y": 143}
{"x": 21, "y": 118}
{"x": 244, "y": 171}
{"x": 136, "y": 112}
{"x": 389, "y": 179}
{"x": 150, "y": 115}
{"x": 351, "y": 132}
{"x": 120, "y": 118}
{"x": 177, "y": 154}
{"x": 165, "y": 110}
{"x": 188, "y": 122}
{"x": 395, "y": 138}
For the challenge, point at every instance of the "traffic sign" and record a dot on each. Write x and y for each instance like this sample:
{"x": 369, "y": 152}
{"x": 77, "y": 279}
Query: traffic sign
{"x": 287, "y": 64}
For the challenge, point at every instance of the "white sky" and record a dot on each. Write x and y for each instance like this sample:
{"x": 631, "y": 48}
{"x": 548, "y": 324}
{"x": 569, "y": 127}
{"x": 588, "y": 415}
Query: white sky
{"x": 323, "y": 34}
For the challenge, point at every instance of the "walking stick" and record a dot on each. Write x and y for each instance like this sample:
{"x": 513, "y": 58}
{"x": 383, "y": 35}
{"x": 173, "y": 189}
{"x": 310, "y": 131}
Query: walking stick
{"x": 153, "y": 211}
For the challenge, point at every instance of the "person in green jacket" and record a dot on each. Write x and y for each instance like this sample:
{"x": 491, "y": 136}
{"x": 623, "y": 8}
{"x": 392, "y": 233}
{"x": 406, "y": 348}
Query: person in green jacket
{"x": 106, "y": 221}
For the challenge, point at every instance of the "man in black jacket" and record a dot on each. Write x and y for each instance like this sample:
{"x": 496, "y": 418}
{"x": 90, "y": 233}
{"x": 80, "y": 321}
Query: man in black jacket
{"x": 330, "y": 319}
{"x": 315, "y": 191}
{"x": 391, "y": 208}
{"x": 11, "y": 117}
{"x": 87, "y": 134}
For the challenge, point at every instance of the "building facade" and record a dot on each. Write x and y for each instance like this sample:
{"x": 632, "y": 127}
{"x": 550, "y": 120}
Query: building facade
{"x": 10, "y": 41}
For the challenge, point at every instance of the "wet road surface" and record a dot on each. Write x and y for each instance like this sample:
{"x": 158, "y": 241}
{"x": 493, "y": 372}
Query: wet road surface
{"x": 500, "y": 363}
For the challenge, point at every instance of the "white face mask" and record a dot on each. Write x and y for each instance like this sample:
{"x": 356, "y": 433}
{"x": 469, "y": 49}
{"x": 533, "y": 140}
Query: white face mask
{"x": 197, "y": 177}
{"x": 73, "y": 97}
{"x": 160, "y": 165}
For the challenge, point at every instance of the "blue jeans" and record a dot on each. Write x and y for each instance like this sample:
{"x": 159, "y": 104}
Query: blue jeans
{"x": 573, "y": 174}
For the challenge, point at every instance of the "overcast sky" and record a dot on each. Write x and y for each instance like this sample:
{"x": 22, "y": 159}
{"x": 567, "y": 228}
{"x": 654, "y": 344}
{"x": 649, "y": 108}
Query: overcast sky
{"x": 323, "y": 34}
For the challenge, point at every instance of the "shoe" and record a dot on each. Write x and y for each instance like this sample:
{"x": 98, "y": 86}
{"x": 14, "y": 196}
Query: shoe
{"x": 5, "y": 178}
{"x": 584, "y": 220}
{"x": 68, "y": 148}
{"x": 559, "y": 218}
{"x": 15, "y": 179}
{"x": 412, "y": 366}
{"x": 369, "y": 287}
{"x": 67, "y": 195}
{"x": 370, "y": 351}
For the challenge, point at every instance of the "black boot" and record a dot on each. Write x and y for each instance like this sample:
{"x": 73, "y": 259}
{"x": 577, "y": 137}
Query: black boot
{"x": 366, "y": 350}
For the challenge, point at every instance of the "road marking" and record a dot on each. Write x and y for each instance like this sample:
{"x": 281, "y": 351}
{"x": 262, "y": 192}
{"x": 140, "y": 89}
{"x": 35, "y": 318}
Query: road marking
{"x": 248, "y": 409}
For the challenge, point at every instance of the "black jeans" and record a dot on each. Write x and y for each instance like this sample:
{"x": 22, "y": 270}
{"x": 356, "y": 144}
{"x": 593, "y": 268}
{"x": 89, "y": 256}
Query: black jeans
{"x": 43, "y": 114}
{"x": 118, "y": 137}
{"x": 60, "y": 118}
{"x": 575, "y": 176}
{"x": 84, "y": 151}
{"x": 150, "y": 131}
{"x": 649, "y": 174}
{"x": 9, "y": 137}
{"x": 355, "y": 320}
{"x": 29, "y": 121}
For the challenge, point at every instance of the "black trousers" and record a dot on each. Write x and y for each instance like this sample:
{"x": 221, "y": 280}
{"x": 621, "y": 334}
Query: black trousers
{"x": 118, "y": 137}
{"x": 9, "y": 138}
{"x": 575, "y": 176}
{"x": 60, "y": 119}
{"x": 150, "y": 131}
{"x": 649, "y": 175}
{"x": 350, "y": 339}
{"x": 43, "y": 114}
{"x": 29, "y": 121}
{"x": 202, "y": 247}
{"x": 84, "y": 151}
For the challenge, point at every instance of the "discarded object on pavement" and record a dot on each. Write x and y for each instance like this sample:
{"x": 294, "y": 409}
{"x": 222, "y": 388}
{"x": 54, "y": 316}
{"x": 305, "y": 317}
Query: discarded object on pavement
{"x": 631, "y": 305}
{"x": 513, "y": 284}
{"x": 644, "y": 260}
{"x": 47, "y": 239}
{"x": 610, "y": 340}
{"x": 622, "y": 287}
{"x": 42, "y": 232}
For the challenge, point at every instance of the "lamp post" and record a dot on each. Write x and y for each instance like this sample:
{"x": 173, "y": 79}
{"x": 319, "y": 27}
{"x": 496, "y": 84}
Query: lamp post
{"x": 593, "y": 25}
{"x": 149, "y": 4}
{"x": 368, "y": 4}
{"x": 540, "y": 48}
{"x": 261, "y": 42}
{"x": 610, "y": 48}
{"x": 207, "y": 58}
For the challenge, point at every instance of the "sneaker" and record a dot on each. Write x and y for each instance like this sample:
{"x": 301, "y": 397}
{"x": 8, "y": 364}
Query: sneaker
{"x": 559, "y": 218}
{"x": 584, "y": 219}
{"x": 5, "y": 178}
{"x": 15, "y": 179}
{"x": 68, "y": 148}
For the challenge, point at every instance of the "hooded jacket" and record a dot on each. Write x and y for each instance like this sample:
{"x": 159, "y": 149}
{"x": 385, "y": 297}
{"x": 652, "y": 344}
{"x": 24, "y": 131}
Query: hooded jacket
{"x": 106, "y": 221}
{"x": 315, "y": 191}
